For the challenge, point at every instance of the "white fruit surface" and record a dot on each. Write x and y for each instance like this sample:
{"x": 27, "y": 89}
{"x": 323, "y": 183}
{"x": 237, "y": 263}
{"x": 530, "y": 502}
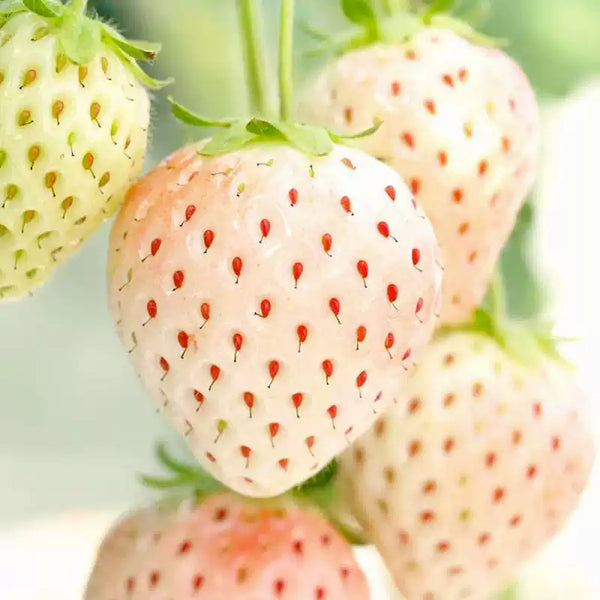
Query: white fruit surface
{"x": 477, "y": 466}
{"x": 211, "y": 303}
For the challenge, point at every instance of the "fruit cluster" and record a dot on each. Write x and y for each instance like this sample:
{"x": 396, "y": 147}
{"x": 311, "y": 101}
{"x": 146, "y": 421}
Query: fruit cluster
{"x": 291, "y": 293}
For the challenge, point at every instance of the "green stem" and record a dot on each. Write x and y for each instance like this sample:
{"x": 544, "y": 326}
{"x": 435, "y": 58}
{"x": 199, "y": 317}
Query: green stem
{"x": 78, "y": 6}
{"x": 254, "y": 55}
{"x": 497, "y": 300}
{"x": 286, "y": 68}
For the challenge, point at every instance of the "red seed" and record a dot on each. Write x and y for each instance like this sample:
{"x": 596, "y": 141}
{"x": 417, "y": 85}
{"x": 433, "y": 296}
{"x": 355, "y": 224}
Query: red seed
{"x": 334, "y": 305}
{"x": 265, "y": 228}
{"x": 332, "y": 412}
{"x": 209, "y": 236}
{"x": 327, "y": 369}
{"x": 297, "y": 270}
{"x": 265, "y": 308}
{"x": 310, "y": 442}
{"x": 392, "y": 292}
{"x": 245, "y": 451}
{"x": 205, "y": 310}
{"x": 199, "y": 397}
{"x": 302, "y": 332}
{"x": 297, "y": 400}
{"x": 293, "y": 196}
{"x": 273, "y": 429}
{"x": 236, "y": 265}
{"x": 406, "y": 354}
{"x": 346, "y": 204}
{"x": 327, "y": 242}
{"x": 363, "y": 269}
{"x": 164, "y": 364}
{"x": 178, "y": 278}
{"x": 384, "y": 230}
{"x": 189, "y": 212}
{"x": 155, "y": 246}
{"x": 361, "y": 334}
{"x": 283, "y": 463}
{"x": 408, "y": 139}
{"x": 389, "y": 340}
{"x": 396, "y": 88}
{"x": 249, "y": 401}
{"x": 361, "y": 379}
{"x": 214, "y": 373}
{"x": 152, "y": 308}
{"x": 183, "y": 339}
{"x": 390, "y": 190}
{"x": 238, "y": 340}
{"x": 273, "y": 370}
{"x": 416, "y": 256}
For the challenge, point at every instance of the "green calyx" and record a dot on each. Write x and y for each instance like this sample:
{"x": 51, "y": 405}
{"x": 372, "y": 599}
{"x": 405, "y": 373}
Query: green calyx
{"x": 395, "y": 22}
{"x": 528, "y": 342}
{"x": 234, "y": 134}
{"x": 82, "y": 37}
{"x": 186, "y": 480}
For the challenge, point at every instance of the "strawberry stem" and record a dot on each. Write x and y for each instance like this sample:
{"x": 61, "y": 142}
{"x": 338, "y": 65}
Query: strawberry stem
{"x": 497, "y": 301}
{"x": 254, "y": 55}
{"x": 78, "y": 7}
{"x": 286, "y": 70}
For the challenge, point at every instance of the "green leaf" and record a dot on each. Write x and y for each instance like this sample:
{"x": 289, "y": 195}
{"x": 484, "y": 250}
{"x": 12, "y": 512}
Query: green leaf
{"x": 172, "y": 464}
{"x": 42, "y": 8}
{"x": 228, "y": 140}
{"x": 164, "y": 483}
{"x": 340, "y": 137}
{"x": 309, "y": 139}
{"x": 263, "y": 128}
{"x": 465, "y": 30}
{"x": 437, "y": 7}
{"x": 139, "y": 73}
{"x": 323, "y": 478}
{"x": 138, "y": 49}
{"x": 190, "y": 118}
{"x": 81, "y": 38}
{"x": 360, "y": 12}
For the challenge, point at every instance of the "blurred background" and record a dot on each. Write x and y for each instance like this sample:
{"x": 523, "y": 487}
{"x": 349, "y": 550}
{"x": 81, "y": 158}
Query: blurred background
{"x": 76, "y": 426}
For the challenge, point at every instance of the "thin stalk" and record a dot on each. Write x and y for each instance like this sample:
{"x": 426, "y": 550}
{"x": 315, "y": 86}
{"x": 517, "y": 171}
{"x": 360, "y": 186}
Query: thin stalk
{"x": 78, "y": 6}
{"x": 497, "y": 299}
{"x": 254, "y": 55}
{"x": 286, "y": 60}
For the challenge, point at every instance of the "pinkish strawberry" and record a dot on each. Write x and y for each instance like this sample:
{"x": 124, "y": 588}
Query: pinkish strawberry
{"x": 272, "y": 302}
{"x": 480, "y": 462}
{"x": 226, "y": 548}
{"x": 460, "y": 124}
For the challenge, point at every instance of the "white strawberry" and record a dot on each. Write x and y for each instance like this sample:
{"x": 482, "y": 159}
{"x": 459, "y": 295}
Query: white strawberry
{"x": 478, "y": 465}
{"x": 272, "y": 302}
{"x": 223, "y": 548}
{"x": 460, "y": 124}
{"x": 73, "y": 134}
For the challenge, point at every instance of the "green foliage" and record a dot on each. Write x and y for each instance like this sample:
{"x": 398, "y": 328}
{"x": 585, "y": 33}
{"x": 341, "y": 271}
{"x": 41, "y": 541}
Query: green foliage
{"x": 44, "y": 8}
{"x": 360, "y": 12}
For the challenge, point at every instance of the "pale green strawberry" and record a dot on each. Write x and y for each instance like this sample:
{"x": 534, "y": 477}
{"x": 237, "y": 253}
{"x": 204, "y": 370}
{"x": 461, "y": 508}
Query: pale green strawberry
{"x": 72, "y": 137}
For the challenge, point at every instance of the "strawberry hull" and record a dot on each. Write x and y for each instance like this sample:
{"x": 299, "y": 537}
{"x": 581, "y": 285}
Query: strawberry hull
{"x": 264, "y": 308}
